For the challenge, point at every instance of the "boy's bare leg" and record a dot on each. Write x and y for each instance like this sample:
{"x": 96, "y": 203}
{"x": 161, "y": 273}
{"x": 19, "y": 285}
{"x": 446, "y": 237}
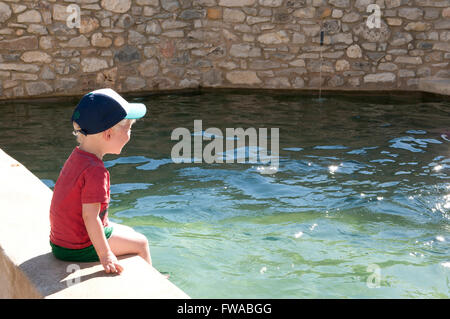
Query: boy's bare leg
{"x": 125, "y": 240}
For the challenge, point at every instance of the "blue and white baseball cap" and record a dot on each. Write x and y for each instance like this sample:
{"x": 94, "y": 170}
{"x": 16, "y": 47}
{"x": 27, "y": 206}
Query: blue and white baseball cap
{"x": 101, "y": 109}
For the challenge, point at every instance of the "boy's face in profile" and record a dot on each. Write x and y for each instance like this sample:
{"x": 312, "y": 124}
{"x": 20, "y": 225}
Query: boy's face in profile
{"x": 118, "y": 136}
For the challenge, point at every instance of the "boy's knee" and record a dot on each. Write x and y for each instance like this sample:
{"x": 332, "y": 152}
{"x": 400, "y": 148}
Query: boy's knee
{"x": 142, "y": 241}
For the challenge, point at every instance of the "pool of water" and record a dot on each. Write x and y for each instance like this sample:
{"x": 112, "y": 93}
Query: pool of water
{"x": 359, "y": 206}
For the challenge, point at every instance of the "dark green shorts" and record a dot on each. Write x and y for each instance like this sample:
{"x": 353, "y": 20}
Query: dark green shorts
{"x": 87, "y": 254}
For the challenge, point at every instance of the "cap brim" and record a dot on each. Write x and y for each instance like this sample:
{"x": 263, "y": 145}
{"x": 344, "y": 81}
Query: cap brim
{"x": 135, "y": 110}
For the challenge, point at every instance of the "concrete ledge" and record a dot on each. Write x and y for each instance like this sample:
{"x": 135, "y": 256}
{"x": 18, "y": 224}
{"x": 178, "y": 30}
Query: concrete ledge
{"x": 435, "y": 85}
{"x": 29, "y": 270}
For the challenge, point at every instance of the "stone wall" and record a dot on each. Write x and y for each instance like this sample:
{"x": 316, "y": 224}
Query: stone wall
{"x": 148, "y": 45}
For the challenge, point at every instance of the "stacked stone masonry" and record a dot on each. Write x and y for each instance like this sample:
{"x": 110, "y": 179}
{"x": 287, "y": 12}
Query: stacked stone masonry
{"x": 64, "y": 47}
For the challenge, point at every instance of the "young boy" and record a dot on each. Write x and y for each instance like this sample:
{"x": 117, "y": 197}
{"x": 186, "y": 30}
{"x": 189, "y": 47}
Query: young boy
{"x": 80, "y": 230}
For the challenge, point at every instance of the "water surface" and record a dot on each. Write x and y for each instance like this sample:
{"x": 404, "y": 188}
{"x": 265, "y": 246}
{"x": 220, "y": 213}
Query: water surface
{"x": 359, "y": 207}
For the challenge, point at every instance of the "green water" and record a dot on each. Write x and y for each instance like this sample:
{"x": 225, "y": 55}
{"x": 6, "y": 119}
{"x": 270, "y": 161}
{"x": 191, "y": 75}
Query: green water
{"x": 359, "y": 208}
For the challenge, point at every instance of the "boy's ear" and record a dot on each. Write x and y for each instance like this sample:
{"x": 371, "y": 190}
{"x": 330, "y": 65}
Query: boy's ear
{"x": 107, "y": 134}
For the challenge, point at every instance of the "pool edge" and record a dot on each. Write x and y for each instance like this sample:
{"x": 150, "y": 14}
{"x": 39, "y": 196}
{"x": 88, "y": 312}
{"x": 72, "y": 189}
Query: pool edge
{"x": 29, "y": 270}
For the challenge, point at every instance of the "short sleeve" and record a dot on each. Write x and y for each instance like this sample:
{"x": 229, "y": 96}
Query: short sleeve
{"x": 96, "y": 184}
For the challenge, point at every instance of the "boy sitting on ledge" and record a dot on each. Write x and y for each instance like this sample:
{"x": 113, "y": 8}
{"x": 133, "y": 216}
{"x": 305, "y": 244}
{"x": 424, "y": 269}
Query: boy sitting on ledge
{"x": 80, "y": 230}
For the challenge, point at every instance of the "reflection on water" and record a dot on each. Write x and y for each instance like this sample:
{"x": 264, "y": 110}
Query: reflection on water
{"x": 363, "y": 182}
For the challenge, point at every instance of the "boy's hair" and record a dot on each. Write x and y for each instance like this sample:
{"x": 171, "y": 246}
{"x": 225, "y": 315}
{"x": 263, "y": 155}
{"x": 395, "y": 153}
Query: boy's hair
{"x": 80, "y": 136}
{"x": 77, "y": 133}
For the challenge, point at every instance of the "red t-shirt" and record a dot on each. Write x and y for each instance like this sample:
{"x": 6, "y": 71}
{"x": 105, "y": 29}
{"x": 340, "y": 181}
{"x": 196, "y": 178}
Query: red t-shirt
{"x": 83, "y": 179}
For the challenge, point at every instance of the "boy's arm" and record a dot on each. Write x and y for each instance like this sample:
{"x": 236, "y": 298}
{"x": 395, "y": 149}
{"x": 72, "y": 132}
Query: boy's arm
{"x": 96, "y": 233}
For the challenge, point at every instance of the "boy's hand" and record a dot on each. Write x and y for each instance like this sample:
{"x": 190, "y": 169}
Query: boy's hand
{"x": 110, "y": 263}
